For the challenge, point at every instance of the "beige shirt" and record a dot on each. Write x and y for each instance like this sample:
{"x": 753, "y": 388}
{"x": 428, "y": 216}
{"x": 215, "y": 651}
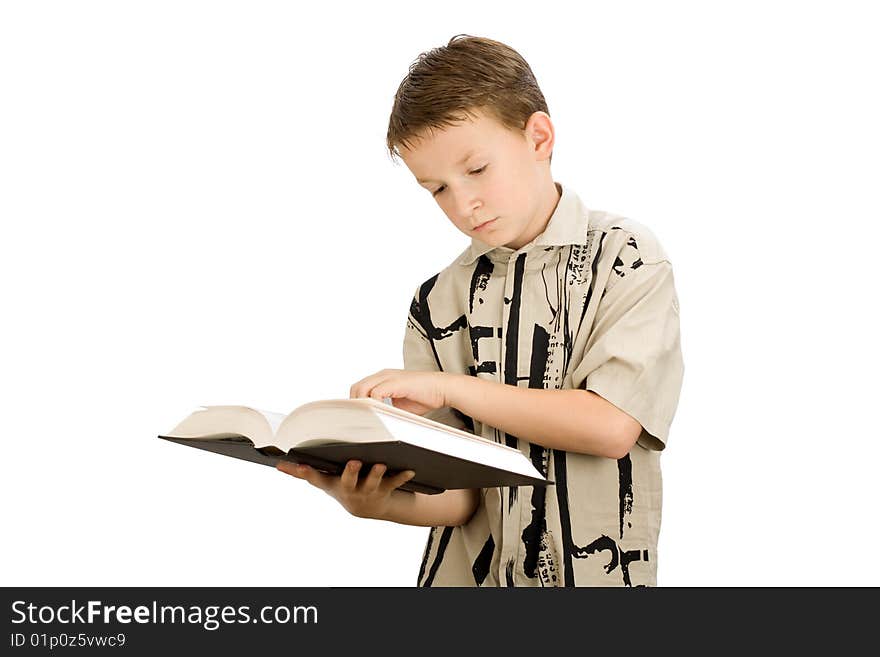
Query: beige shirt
{"x": 589, "y": 303}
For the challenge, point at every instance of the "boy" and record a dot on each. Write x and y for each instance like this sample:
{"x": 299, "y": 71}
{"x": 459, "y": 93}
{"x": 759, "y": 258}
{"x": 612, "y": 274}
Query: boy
{"x": 556, "y": 332}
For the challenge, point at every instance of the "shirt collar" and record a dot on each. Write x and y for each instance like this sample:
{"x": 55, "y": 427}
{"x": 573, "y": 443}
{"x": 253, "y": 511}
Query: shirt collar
{"x": 568, "y": 225}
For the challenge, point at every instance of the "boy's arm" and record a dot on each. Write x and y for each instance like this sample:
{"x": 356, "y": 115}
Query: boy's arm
{"x": 570, "y": 420}
{"x": 573, "y": 420}
{"x": 450, "y": 508}
{"x": 376, "y": 496}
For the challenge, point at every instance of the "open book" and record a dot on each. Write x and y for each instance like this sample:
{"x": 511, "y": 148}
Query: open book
{"x": 327, "y": 434}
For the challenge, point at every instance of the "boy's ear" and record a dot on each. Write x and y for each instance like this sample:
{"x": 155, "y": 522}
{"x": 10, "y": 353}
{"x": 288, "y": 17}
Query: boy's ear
{"x": 540, "y": 133}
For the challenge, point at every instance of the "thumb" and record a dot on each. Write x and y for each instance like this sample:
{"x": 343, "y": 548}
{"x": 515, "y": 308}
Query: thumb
{"x": 306, "y": 472}
{"x": 287, "y": 467}
{"x": 409, "y": 405}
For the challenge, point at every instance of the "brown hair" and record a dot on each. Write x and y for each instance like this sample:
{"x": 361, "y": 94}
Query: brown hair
{"x": 447, "y": 85}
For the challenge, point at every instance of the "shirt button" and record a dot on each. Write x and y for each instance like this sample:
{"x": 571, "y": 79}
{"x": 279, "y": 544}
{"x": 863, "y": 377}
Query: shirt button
{"x": 506, "y": 300}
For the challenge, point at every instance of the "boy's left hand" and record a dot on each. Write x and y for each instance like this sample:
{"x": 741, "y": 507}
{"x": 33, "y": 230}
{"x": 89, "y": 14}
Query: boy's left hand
{"x": 416, "y": 392}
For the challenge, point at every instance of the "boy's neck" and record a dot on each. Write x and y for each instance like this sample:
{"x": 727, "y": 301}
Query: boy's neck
{"x": 550, "y": 195}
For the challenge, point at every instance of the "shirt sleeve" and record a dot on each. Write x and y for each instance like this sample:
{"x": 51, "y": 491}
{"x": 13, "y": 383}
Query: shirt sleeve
{"x": 419, "y": 355}
{"x": 633, "y": 354}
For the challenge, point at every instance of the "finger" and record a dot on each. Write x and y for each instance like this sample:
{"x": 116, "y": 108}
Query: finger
{"x": 359, "y": 390}
{"x": 293, "y": 469}
{"x": 356, "y": 389}
{"x": 362, "y": 388}
{"x": 349, "y": 477}
{"x": 376, "y": 386}
{"x": 386, "y": 387}
{"x": 305, "y": 472}
{"x": 399, "y": 479}
{"x": 374, "y": 479}
{"x": 286, "y": 466}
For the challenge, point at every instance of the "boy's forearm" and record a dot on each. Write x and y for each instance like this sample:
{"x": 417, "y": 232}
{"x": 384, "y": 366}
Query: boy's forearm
{"x": 447, "y": 509}
{"x": 571, "y": 420}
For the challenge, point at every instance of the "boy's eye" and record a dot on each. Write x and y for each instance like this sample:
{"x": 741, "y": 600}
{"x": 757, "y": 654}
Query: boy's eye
{"x": 474, "y": 172}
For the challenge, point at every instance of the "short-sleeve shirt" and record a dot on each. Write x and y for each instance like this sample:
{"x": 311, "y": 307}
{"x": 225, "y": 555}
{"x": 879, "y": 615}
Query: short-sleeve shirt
{"x": 590, "y": 303}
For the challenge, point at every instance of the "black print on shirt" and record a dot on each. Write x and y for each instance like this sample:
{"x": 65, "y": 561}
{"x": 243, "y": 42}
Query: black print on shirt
{"x": 421, "y": 313}
{"x": 618, "y": 557}
{"x": 625, "y": 488}
{"x": 533, "y": 534}
{"x": 546, "y": 563}
{"x": 438, "y": 559}
{"x": 629, "y": 254}
{"x": 511, "y": 351}
{"x": 483, "y": 561}
{"x": 480, "y": 279}
{"x": 477, "y": 333}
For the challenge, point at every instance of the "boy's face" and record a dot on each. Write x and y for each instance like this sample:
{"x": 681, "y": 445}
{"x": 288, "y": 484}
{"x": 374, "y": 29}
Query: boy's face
{"x": 489, "y": 180}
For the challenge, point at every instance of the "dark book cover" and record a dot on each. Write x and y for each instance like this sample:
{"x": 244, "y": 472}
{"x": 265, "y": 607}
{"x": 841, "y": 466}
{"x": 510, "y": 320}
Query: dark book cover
{"x": 435, "y": 471}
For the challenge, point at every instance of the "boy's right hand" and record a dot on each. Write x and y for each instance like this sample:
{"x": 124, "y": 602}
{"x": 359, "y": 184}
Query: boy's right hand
{"x": 370, "y": 498}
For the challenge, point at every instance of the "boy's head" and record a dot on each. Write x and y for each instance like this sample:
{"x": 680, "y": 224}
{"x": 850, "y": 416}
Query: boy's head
{"x": 471, "y": 124}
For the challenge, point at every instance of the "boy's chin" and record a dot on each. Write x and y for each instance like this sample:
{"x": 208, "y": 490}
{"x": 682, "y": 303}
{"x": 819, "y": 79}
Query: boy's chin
{"x": 490, "y": 239}
{"x": 487, "y": 242}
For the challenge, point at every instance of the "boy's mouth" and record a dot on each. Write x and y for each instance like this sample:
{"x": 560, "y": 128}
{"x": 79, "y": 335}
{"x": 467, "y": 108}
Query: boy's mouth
{"x": 485, "y": 225}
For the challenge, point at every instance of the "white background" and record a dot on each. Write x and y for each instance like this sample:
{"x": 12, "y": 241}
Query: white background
{"x": 197, "y": 208}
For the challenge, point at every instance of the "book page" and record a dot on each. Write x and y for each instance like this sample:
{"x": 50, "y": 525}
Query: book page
{"x": 222, "y": 420}
{"x": 390, "y": 409}
{"x": 386, "y": 408}
{"x": 479, "y": 451}
{"x": 274, "y": 419}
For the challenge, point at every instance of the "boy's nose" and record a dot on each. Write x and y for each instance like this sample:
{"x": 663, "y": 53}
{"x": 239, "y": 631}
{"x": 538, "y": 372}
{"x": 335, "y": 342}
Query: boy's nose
{"x": 467, "y": 205}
